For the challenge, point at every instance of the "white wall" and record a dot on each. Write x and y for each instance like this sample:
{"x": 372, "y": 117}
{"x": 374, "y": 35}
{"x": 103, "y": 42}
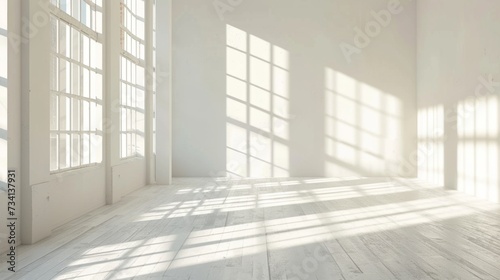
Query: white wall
{"x": 10, "y": 120}
{"x": 330, "y": 117}
{"x": 10, "y": 138}
{"x": 3, "y": 115}
{"x": 458, "y": 52}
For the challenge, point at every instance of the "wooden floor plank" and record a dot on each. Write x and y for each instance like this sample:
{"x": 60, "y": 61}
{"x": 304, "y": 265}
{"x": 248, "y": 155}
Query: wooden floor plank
{"x": 290, "y": 228}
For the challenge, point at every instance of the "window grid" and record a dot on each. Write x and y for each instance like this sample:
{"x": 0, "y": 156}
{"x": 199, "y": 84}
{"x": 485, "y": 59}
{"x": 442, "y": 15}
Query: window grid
{"x": 132, "y": 76}
{"x": 76, "y": 86}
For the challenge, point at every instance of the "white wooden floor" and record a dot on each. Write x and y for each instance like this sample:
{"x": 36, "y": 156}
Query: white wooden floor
{"x": 352, "y": 228}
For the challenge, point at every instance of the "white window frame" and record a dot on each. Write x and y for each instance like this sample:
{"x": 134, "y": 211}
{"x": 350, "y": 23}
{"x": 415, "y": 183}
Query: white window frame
{"x": 132, "y": 106}
{"x": 92, "y": 127}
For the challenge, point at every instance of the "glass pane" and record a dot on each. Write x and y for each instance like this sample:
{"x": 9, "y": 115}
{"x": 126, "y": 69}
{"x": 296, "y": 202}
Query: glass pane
{"x": 96, "y": 86}
{"x": 128, "y": 46}
{"x": 95, "y": 116}
{"x": 139, "y": 122}
{"x": 133, "y": 120}
{"x": 130, "y": 96}
{"x": 85, "y": 116}
{"x": 140, "y": 76}
{"x": 133, "y": 48}
{"x": 98, "y": 22}
{"x": 129, "y": 120}
{"x": 98, "y": 117}
{"x": 65, "y": 113}
{"x": 142, "y": 52}
{"x": 75, "y": 44}
{"x": 140, "y": 99}
{"x": 96, "y": 148}
{"x": 54, "y": 163}
{"x": 54, "y": 112}
{"x": 123, "y": 123}
{"x": 86, "y": 83}
{"x": 140, "y": 29}
{"x": 85, "y": 50}
{"x": 123, "y": 95}
{"x": 130, "y": 145}
{"x": 75, "y": 80}
{"x": 85, "y": 14}
{"x": 140, "y": 8}
{"x": 54, "y": 72}
{"x": 133, "y": 75}
{"x": 96, "y": 55}
{"x": 75, "y": 154}
{"x": 75, "y": 120}
{"x": 139, "y": 145}
{"x": 129, "y": 70}
{"x": 64, "y": 75}
{"x": 53, "y": 33}
{"x": 65, "y": 5}
{"x": 85, "y": 148}
{"x": 76, "y": 9}
{"x": 123, "y": 143}
{"x": 123, "y": 63}
{"x": 64, "y": 150}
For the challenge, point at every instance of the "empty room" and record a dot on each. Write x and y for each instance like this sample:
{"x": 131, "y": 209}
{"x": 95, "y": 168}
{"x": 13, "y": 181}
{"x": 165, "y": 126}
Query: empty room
{"x": 250, "y": 139}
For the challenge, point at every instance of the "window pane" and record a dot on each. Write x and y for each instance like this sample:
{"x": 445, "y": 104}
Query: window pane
{"x": 75, "y": 44}
{"x": 75, "y": 120}
{"x": 64, "y": 113}
{"x": 64, "y": 75}
{"x": 54, "y": 148}
{"x": 130, "y": 144}
{"x": 123, "y": 63}
{"x": 64, "y": 39}
{"x": 96, "y": 86}
{"x": 76, "y": 9}
{"x": 65, "y": 5}
{"x": 96, "y": 148}
{"x": 130, "y": 96}
{"x": 54, "y": 112}
{"x": 140, "y": 99}
{"x": 75, "y": 155}
{"x": 64, "y": 150}
{"x": 123, "y": 145}
{"x": 123, "y": 123}
{"x": 139, "y": 122}
{"x": 140, "y": 76}
{"x": 86, "y": 116}
{"x": 86, "y": 83}
{"x": 75, "y": 79}
{"x": 98, "y": 21}
{"x": 85, "y": 14}
{"x": 85, "y": 148}
{"x": 54, "y": 34}
{"x": 95, "y": 117}
{"x": 85, "y": 50}
{"x": 96, "y": 55}
{"x": 53, "y": 70}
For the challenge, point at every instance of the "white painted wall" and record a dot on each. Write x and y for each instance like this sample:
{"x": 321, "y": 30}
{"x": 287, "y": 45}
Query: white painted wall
{"x": 458, "y": 51}
{"x": 330, "y": 114}
{"x": 3, "y": 116}
{"x": 10, "y": 99}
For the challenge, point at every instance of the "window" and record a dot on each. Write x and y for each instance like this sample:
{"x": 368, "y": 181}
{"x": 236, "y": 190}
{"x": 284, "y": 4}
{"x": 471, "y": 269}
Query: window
{"x": 76, "y": 84}
{"x": 132, "y": 77}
